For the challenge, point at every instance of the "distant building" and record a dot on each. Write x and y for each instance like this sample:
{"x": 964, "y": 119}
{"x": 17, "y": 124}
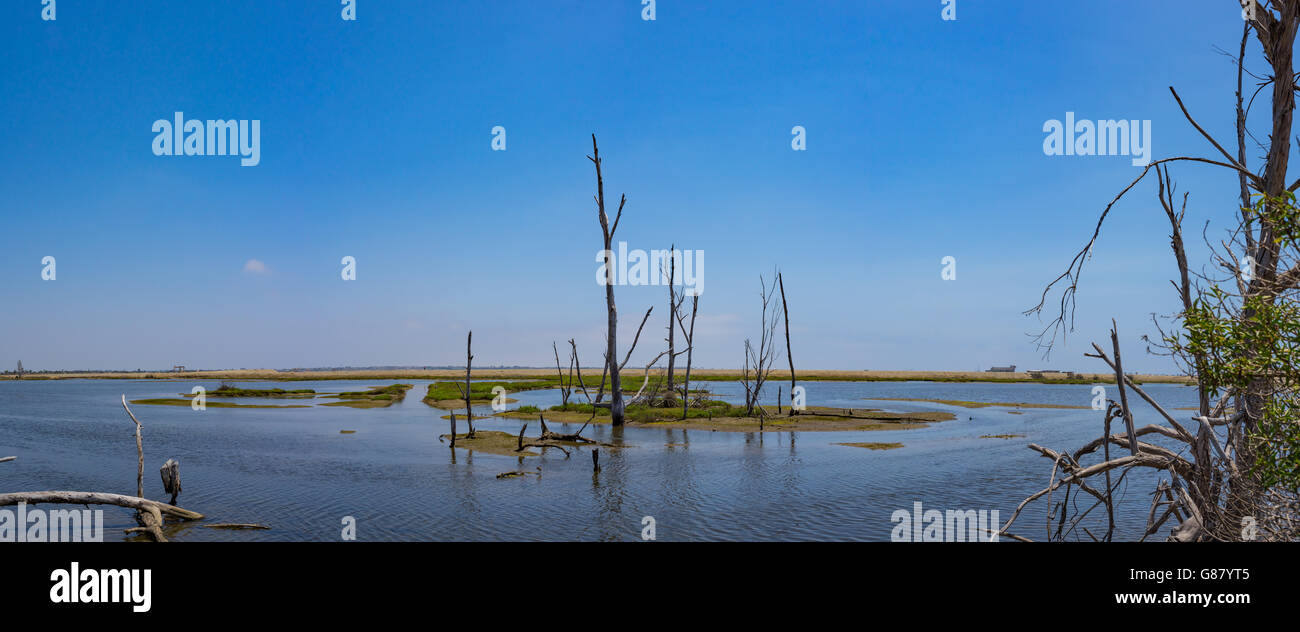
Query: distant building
{"x": 1002, "y": 369}
{"x": 179, "y": 368}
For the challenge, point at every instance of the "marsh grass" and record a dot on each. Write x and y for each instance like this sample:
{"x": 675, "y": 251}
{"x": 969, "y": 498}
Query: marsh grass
{"x": 376, "y": 397}
{"x": 186, "y": 402}
{"x": 231, "y": 391}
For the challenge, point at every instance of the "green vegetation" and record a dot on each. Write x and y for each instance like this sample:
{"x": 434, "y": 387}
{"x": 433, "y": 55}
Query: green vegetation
{"x": 376, "y": 397}
{"x": 231, "y": 391}
{"x": 393, "y": 392}
{"x": 186, "y": 402}
{"x": 492, "y": 442}
{"x": 1257, "y": 344}
{"x": 965, "y": 404}
{"x": 482, "y": 391}
{"x": 447, "y": 393}
{"x": 719, "y": 415}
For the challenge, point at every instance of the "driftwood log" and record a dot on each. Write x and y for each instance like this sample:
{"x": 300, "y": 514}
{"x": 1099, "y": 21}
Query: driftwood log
{"x": 7, "y": 458}
{"x": 98, "y": 498}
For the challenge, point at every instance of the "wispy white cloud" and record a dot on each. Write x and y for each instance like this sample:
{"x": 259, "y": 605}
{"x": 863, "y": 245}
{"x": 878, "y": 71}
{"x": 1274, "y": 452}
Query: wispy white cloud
{"x": 254, "y": 266}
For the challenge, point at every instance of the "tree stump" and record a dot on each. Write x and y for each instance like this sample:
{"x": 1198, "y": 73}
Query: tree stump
{"x": 171, "y": 479}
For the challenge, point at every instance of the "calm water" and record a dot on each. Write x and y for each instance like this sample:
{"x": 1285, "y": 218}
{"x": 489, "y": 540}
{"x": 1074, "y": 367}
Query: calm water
{"x": 293, "y": 470}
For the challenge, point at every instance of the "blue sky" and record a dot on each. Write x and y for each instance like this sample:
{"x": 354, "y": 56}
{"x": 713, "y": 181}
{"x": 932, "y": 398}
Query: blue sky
{"x": 924, "y": 140}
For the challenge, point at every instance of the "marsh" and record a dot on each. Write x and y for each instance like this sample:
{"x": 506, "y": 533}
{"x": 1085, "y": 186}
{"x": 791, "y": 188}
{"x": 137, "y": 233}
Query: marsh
{"x": 294, "y": 470}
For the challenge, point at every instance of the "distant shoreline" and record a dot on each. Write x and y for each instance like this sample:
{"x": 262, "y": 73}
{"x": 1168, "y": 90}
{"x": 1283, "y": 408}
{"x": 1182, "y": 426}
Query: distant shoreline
{"x": 702, "y": 375}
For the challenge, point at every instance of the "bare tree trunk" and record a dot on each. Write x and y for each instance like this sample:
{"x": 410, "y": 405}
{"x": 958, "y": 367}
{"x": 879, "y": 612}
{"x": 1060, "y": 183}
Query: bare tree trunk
{"x": 611, "y": 346}
{"x": 578, "y": 363}
{"x": 762, "y": 358}
{"x": 564, "y": 390}
{"x": 139, "y": 449}
{"x": 171, "y": 478}
{"x": 469, "y": 358}
{"x": 786, "y": 312}
{"x": 672, "y": 313}
{"x": 690, "y": 350}
{"x": 1277, "y": 36}
{"x": 1123, "y": 394}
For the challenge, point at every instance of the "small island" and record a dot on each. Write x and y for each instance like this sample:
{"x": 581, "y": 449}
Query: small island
{"x": 376, "y": 397}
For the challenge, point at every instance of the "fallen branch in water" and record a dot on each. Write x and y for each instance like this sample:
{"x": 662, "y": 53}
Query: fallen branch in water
{"x": 98, "y": 498}
{"x": 547, "y": 435}
{"x": 7, "y": 458}
{"x": 548, "y": 439}
{"x": 235, "y": 525}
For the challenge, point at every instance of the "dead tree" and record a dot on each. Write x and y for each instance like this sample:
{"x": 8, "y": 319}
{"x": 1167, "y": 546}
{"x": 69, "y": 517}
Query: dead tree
{"x": 760, "y": 360}
{"x": 689, "y": 336}
{"x": 1213, "y": 486}
{"x": 578, "y": 363}
{"x": 785, "y": 313}
{"x": 611, "y": 345}
{"x": 611, "y": 349}
{"x": 465, "y": 392}
{"x": 565, "y": 389}
{"x": 139, "y": 449}
{"x": 675, "y": 300}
